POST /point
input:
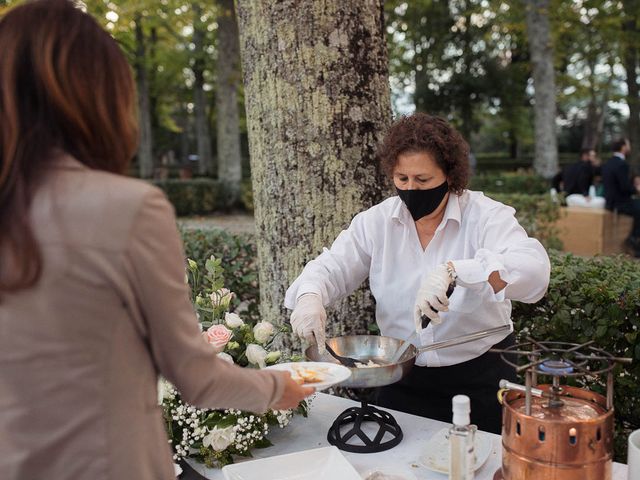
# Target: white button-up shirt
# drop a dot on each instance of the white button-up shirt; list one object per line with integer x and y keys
{"x": 477, "y": 234}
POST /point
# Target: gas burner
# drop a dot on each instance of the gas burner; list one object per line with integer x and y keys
{"x": 560, "y": 359}
{"x": 556, "y": 367}
{"x": 553, "y": 430}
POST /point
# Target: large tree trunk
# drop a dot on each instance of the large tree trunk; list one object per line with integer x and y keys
{"x": 228, "y": 118}
{"x": 203, "y": 137}
{"x": 630, "y": 60}
{"x": 145, "y": 150}
{"x": 317, "y": 100}
{"x": 541, "y": 48}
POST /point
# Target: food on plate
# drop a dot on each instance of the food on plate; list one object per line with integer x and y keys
{"x": 303, "y": 375}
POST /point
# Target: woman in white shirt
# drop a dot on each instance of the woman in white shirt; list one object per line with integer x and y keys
{"x": 413, "y": 247}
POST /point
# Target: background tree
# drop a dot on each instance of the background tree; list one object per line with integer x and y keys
{"x": 317, "y": 101}
{"x": 203, "y": 135}
{"x": 541, "y": 48}
{"x": 228, "y": 81}
{"x": 145, "y": 149}
{"x": 631, "y": 40}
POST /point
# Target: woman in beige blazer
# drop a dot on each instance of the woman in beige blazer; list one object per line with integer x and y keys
{"x": 93, "y": 300}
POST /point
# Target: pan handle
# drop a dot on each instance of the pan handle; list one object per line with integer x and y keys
{"x": 470, "y": 337}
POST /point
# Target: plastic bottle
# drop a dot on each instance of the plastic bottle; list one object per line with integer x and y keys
{"x": 461, "y": 441}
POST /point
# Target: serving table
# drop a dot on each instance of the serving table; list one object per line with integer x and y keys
{"x": 311, "y": 432}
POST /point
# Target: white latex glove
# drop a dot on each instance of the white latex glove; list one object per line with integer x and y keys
{"x": 432, "y": 293}
{"x": 308, "y": 320}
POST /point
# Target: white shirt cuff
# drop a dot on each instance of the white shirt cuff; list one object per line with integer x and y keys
{"x": 306, "y": 288}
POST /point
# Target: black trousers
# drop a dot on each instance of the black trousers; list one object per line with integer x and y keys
{"x": 427, "y": 391}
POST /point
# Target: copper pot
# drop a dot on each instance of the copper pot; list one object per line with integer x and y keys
{"x": 569, "y": 438}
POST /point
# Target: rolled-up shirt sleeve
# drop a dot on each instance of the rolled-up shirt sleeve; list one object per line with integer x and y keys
{"x": 505, "y": 247}
{"x": 337, "y": 271}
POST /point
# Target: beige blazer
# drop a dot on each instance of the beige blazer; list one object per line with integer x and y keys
{"x": 80, "y": 352}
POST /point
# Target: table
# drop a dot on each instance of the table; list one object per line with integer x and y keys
{"x": 306, "y": 433}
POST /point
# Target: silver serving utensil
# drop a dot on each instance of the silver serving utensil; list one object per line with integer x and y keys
{"x": 403, "y": 348}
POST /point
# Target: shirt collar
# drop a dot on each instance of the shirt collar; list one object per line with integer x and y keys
{"x": 619, "y": 155}
{"x": 452, "y": 211}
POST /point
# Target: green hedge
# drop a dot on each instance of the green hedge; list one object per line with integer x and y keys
{"x": 509, "y": 182}
{"x": 594, "y": 299}
{"x": 238, "y": 254}
{"x": 192, "y": 197}
{"x": 536, "y": 213}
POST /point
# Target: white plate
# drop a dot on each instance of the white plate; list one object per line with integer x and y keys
{"x": 436, "y": 453}
{"x": 325, "y": 463}
{"x": 331, "y": 373}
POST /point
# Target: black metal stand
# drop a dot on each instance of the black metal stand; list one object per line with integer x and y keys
{"x": 355, "y": 417}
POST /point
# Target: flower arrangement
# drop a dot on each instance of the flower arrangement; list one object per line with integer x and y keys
{"x": 215, "y": 436}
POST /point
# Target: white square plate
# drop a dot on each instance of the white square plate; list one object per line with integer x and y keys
{"x": 325, "y": 463}
{"x": 436, "y": 453}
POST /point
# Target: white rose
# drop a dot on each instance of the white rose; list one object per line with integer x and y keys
{"x": 233, "y": 320}
{"x": 256, "y": 355}
{"x": 221, "y": 298}
{"x": 262, "y": 332}
{"x": 219, "y": 438}
{"x": 226, "y": 357}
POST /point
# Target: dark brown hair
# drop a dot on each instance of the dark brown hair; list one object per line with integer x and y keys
{"x": 425, "y": 133}
{"x": 619, "y": 143}
{"x": 65, "y": 87}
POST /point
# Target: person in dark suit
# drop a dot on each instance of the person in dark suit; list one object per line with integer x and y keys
{"x": 578, "y": 177}
{"x": 619, "y": 190}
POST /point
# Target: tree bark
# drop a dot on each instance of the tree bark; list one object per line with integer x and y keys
{"x": 541, "y": 48}
{"x": 145, "y": 150}
{"x": 229, "y": 78}
{"x": 317, "y": 100}
{"x": 630, "y": 61}
{"x": 203, "y": 137}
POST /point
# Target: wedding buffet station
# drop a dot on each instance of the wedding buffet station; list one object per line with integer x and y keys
{"x": 422, "y": 454}
{"x": 550, "y": 431}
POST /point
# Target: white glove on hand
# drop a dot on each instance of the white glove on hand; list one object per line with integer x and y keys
{"x": 308, "y": 320}
{"x": 432, "y": 293}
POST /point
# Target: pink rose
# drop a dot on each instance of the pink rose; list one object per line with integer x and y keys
{"x": 217, "y": 336}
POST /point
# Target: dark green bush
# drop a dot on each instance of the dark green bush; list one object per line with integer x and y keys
{"x": 238, "y": 255}
{"x": 509, "y": 182}
{"x": 594, "y": 299}
{"x": 536, "y": 213}
{"x": 193, "y": 196}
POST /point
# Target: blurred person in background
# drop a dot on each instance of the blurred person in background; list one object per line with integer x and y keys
{"x": 620, "y": 189}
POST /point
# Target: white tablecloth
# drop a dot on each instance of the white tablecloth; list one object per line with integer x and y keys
{"x": 306, "y": 433}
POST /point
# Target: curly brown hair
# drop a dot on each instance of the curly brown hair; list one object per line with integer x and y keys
{"x": 420, "y": 132}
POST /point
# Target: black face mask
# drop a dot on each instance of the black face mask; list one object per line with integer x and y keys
{"x": 423, "y": 202}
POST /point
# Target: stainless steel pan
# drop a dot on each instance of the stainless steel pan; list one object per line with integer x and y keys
{"x": 381, "y": 350}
